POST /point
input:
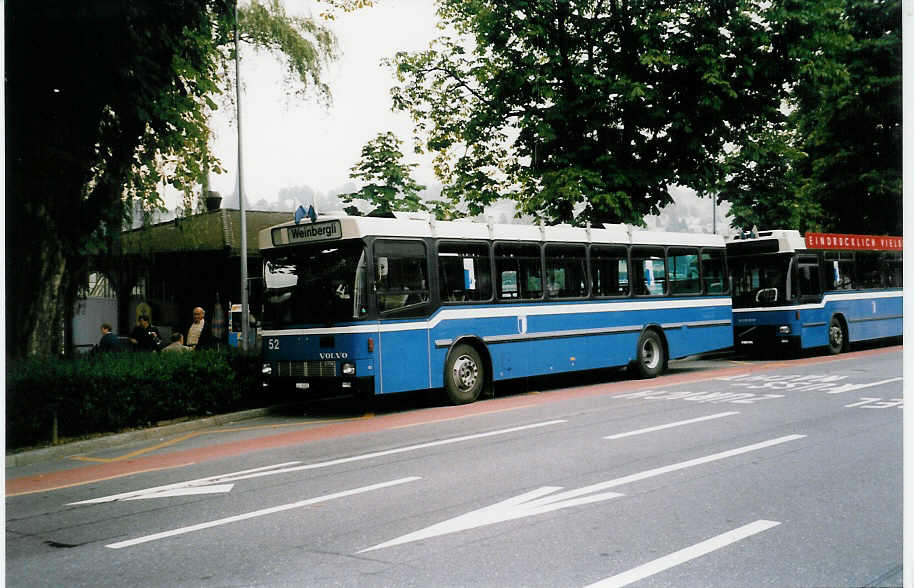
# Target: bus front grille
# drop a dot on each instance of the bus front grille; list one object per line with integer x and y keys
{"x": 302, "y": 369}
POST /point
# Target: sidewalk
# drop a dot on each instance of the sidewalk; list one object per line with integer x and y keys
{"x": 63, "y": 450}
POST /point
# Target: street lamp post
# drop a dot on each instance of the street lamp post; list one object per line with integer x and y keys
{"x": 245, "y": 313}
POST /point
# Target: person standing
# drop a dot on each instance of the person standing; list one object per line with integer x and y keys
{"x": 108, "y": 342}
{"x": 144, "y": 336}
{"x": 199, "y": 334}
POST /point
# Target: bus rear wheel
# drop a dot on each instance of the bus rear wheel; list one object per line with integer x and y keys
{"x": 837, "y": 336}
{"x": 464, "y": 375}
{"x": 650, "y": 360}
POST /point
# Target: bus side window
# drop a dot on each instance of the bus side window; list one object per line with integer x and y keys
{"x": 712, "y": 271}
{"x": 648, "y": 271}
{"x": 683, "y": 270}
{"x": 839, "y": 270}
{"x": 808, "y": 269}
{"x": 401, "y": 274}
{"x": 464, "y": 272}
{"x": 893, "y": 269}
{"x": 518, "y": 271}
{"x": 565, "y": 275}
{"x": 869, "y": 274}
{"x": 609, "y": 270}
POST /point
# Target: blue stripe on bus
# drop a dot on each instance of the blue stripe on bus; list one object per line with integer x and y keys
{"x": 523, "y": 339}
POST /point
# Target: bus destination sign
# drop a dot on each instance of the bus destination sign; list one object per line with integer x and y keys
{"x": 838, "y": 241}
{"x": 308, "y": 233}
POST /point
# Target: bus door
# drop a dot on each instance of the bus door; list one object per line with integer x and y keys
{"x": 403, "y": 303}
{"x": 812, "y": 319}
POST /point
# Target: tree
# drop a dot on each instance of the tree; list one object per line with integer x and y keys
{"x": 387, "y": 182}
{"x": 851, "y": 125}
{"x": 835, "y": 163}
{"x": 589, "y": 110}
{"x": 111, "y": 102}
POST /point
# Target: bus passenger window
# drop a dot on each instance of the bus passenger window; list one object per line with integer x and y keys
{"x": 808, "y": 267}
{"x": 869, "y": 271}
{"x": 839, "y": 270}
{"x": 892, "y": 268}
{"x": 683, "y": 271}
{"x": 401, "y": 278}
{"x": 565, "y": 275}
{"x": 648, "y": 271}
{"x": 609, "y": 270}
{"x": 464, "y": 272}
{"x": 712, "y": 272}
{"x": 518, "y": 271}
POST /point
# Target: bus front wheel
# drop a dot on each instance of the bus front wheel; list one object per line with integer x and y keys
{"x": 837, "y": 336}
{"x": 651, "y": 357}
{"x": 464, "y": 375}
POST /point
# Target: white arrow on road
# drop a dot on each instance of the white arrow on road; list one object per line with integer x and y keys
{"x": 208, "y": 485}
{"x": 531, "y": 503}
{"x": 187, "y": 491}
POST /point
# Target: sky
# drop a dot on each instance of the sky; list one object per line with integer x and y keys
{"x": 292, "y": 143}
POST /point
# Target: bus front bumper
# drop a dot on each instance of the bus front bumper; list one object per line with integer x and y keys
{"x": 760, "y": 338}
{"x": 315, "y": 387}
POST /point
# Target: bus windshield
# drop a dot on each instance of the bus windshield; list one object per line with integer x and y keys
{"x": 315, "y": 284}
{"x": 760, "y": 280}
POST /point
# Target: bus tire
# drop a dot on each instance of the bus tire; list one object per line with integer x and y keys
{"x": 464, "y": 375}
{"x": 837, "y": 336}
{"x": 650, "y": 359}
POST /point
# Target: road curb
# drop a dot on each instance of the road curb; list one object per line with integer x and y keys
{"x": 108, "y": 441}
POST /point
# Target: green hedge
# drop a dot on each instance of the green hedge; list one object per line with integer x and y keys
{"x": 116, "y": 391}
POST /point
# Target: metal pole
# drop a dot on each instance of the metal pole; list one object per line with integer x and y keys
{"x": 245, "y": 327}
{"x": 714, "y": 212}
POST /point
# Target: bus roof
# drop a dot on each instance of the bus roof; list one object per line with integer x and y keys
{"x": 788, "y": 241}
{"x": 777, "y": 241}
{"x": 331, "y": 228}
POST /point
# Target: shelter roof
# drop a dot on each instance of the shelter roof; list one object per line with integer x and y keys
{"x": 211, "y": 231}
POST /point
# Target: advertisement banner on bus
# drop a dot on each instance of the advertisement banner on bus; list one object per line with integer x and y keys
{"x": 856, "y": 242}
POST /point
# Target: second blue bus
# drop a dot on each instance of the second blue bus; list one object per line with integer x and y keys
{"x": 821, "y": 290}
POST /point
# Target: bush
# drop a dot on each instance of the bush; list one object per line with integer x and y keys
{"x": 116, "y": 391}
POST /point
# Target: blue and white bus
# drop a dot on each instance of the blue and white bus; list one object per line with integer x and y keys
{"x": 384, "y": 305}
{"x": 824, "y": 290}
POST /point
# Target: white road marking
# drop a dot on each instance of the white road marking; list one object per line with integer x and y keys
{"x": 189, "y": 491}
{"x": 287, "y": 467}
{"x": 670, "y": 425}
{"x": 684, "y": 555}
{"x": 849, "y": 387}
{"x": 259, "y": 513}
{"x": 531, "y": 503}
{"x": 169, "y": 488}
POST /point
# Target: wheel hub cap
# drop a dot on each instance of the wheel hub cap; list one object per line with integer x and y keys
{"x": 465, "y": 372}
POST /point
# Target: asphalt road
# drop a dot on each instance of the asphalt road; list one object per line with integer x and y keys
{"x": 723, "y": 473}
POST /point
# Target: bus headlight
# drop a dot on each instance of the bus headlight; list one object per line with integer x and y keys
{"x": 267, "y": 369}
{"x": 784, "y": 330}
{"x": 348, "y": 369}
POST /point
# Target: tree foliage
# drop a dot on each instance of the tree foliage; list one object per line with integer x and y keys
{"x": 387, "y": 183}
{"x": 850, "y": 125}
{"x": 112, "y": 102}
{"x": 591, "y": 109}
{"x": 834, "y": 163}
